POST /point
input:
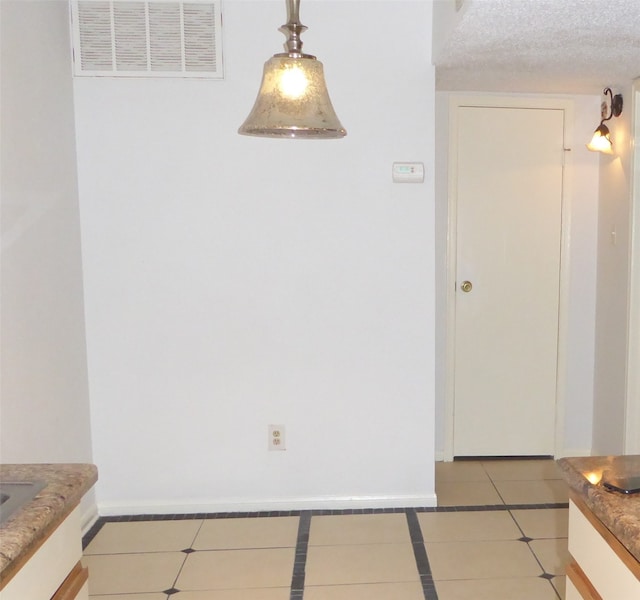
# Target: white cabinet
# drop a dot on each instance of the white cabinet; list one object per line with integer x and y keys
{"x": 602, "y": 568}
{"x": 54, "y": 570}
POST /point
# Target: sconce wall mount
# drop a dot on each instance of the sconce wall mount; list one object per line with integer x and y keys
{"x": 601, "y": 140}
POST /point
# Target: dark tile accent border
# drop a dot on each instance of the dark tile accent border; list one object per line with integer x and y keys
{"x": 488, "y": 507}
{"x": 86, "y": 540}
{"x": 95, "y": 528}
{"x": 420, "y": 552}
{"x": 355, "y": 511}
{"x": 300, "y": 561}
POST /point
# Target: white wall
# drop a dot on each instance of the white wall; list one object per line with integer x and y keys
{"x": 44, "y": 403}
{"x": 233, "y": 282}
{"x": 45, "y": 406}
{"x": 446, "y": 17}
{"x": 582, "y": 190}
{"x": 613, "y": 281}
{"x": 441, "y": 186}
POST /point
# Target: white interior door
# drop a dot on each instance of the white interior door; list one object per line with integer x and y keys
{"x": 509, "y": 172}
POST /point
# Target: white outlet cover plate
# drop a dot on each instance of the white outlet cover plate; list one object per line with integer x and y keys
{"x": 277, "y": 438}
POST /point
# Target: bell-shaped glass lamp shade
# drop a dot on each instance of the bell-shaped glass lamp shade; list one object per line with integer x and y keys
{"x": 601, "y": 140}
{"x": 293, "y": 102}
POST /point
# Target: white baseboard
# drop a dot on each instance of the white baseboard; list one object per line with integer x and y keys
{"x": 170, "y": 507}
{"x": 88, "y": 518}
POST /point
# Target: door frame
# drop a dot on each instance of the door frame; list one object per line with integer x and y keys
{"x": 632, "y": 406}
{"x": 489, "y": 101}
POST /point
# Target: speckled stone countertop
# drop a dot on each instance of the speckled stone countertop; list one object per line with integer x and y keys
{"x": 619, "y": 513}
{"x": 28, "y": 527}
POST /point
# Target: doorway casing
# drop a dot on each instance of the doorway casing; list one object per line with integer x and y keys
{"x": 632, "y": 409}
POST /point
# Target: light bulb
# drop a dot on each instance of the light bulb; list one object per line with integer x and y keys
{"x": 293, "y": 82}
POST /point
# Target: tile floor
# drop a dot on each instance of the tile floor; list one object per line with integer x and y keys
{"x": 499, "y": 533}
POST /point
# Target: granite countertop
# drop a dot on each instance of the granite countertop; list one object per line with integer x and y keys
{"x": 27, "y": 528}
{"x": 619, "y": 513}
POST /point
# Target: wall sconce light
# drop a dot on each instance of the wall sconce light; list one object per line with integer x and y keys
{"x": 293, "y": 101}
{"x": 601, "y": 140}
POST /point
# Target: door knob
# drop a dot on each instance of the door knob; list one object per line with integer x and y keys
{"x": 466, "y": 286}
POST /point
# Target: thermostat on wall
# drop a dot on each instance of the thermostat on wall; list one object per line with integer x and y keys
{"x": 408, "y": 172}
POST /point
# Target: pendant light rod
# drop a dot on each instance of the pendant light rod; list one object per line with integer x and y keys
{"x": 293, "y": 11}
{"x": 293, "y": 28}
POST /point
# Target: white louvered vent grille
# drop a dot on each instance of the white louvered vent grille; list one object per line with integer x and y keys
{"x": 160, "y": 38}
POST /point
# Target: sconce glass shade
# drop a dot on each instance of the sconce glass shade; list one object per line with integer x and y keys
{"x": 293, "y": 101}
{"x": 601, "y": 140}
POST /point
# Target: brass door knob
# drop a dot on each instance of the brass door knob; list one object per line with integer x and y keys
{"x": 466, "y": 286}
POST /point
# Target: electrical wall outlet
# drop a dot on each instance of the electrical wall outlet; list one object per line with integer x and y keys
{"x": 277, "y": 440}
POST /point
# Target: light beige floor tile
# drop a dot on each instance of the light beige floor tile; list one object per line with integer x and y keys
{"x": 552, "y": 554}
{"x": 133, "y": 573}
{"x": 522, "y": 470}
{"x": 144, "y": 536}
{"x": 373, "y": 591}
{"x": 543, "y": 523}
{"x": 533, "y": 492}
{"x": 259, "y": 532}
{"x": 481, "y": 560}
{"x": 468, "y": 526}
{"x": 467, "y": 494}
{"x": 243, "y": 594}
{"x": 560, "y": 583}
{"x": 460, "y": 471}
{"x": 524, "y": 588}
{"x": 332, "y": 530}
{"x": 369, "y": 563}
{"x": 233, "y": 569}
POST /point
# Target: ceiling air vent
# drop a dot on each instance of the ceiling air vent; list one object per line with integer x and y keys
{"x": 161, "y": 38}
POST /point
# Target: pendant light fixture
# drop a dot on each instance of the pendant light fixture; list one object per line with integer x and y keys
{"x": 601, "y": 140}
{"x": 293, "y": 101}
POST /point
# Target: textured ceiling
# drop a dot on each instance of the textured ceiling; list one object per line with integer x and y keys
{"x": 546, "y": 46}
